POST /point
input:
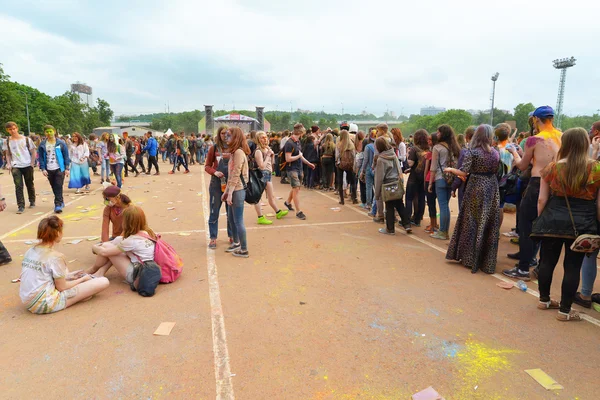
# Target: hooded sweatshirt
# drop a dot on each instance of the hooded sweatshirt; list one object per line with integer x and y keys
{"x": 386, "y": 171}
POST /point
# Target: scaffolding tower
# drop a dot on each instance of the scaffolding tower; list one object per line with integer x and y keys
{"x": 561, "y": 65}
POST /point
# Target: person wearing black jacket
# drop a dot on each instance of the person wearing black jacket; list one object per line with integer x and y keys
{"x": 129, "y": 149}
{"x": 311, "y": 153}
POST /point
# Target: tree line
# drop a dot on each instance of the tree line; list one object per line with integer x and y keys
{"x": 66, "y": 112}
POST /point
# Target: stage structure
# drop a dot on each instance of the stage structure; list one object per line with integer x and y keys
{"x": 209, "y": 123}
{"x": 82, "y": 88}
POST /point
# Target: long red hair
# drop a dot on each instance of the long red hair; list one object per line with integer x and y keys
{"x": 238, "y": 141}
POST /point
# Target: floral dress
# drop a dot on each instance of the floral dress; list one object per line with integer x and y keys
{"x": 477, "y": 231}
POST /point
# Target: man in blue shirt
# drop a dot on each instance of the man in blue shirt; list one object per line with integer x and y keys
{"x": 152, "y": 149}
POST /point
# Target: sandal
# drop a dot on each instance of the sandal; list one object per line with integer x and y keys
{"x": 571, "y": 316}
{"x": 548, "y": 305}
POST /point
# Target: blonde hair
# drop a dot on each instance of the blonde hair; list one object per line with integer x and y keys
{"x": 345, "y": 143}
{"x": 574, "y": 149}
{"x": 259, "y": 135}
{"x": 104, "y": 137}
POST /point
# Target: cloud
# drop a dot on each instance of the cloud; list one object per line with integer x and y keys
{"x": 315, "y": 54}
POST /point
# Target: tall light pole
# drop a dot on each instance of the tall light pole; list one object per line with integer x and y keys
{"x": 27, "y": 111}
{"x": 494, "y": 79}
{"x": 562, "y": 65}
{"x": 342, "y": 110}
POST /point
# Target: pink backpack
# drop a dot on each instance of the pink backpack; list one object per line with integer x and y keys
{"x": 171, "y": 265}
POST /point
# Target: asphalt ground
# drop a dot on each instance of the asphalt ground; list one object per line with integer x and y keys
{"x": 325, "y": 308}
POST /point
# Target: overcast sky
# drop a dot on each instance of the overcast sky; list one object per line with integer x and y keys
{"x": 139, "y": 55}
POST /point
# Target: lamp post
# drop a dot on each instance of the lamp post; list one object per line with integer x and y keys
{"x": 494, "y": 79}
{"x": 27, "y": 111}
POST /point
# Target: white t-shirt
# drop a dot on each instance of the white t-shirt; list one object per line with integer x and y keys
{"x": 41, "y": 265}
{"x": 51, "y": 162}
{"x": 20, "y": 154}
{"x": 137, "y": 245}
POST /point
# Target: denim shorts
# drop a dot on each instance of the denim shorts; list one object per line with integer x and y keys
{"x": 266, "y": 176}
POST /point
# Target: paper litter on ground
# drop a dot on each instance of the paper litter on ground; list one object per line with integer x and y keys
{"x": 76, "y": 241}
{"x": 505, "y": 285}
{"x": 164, "y": 329}
{"x": 175, "y": 219}
{"x": 94, "y": 218}
{"x": 155, "y": 197}
{"x": 84, "y": 210}
{"x": 38, "y": 213}
{"x": 93, "y": 238}
{"x": 427, "y": 394}
{"x": 270, "y": 215}
{"x": 544, "y": 379}
{"x": 16, "y": 280}
{"x": 184, "y": 234}
{"x": 75, "y": 219}
{"x": 30, "y": 242}
{"x": 171, "y": 208}
{"x": 72, "y": 261}
{"x": 336, "y": 209}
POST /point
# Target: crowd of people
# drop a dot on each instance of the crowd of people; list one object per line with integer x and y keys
{"x": 552, "y": 178}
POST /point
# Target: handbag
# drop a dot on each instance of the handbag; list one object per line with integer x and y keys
{"x": 583, "y": 243}
{"x": 447, "y": 176}
{"x": 393, "y": 190}
{"x": 255, "y": 186}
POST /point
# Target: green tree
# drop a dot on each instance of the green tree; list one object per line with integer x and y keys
{"x": 306, "y": 120}
{"x": 459, "y": 120}
{"x": 522, "y": 111}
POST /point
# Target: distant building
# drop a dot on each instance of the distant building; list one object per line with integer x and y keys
{"x": 432, "y": 110}
{"x": 473, "y": 112}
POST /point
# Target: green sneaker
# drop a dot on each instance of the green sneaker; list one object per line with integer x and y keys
{"x": 282, "y": 213}
{"x": 263, "y": 221}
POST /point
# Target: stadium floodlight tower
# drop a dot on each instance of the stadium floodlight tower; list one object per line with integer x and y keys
{"x": 562, "y": 65}
{"x": 494, "y": 79}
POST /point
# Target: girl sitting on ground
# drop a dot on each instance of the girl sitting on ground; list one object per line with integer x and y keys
{"x": 115, "y": 203}
{"x": 128, "y": 251}
{"x": 46, "y": 284}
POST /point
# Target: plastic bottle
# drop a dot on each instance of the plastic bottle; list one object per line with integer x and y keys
{"x": 223, "y": 184}
{"x": 522, "y": 285}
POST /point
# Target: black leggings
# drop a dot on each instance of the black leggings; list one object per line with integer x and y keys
{"x": 549, "y": 255}
{"x": 431, "y": 198}
{"x": 390, "y": 214}
{"x": 327, "y": 164}
{"x": 350, "y": 179}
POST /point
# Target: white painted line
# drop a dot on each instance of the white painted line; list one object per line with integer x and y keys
{"x": 41, "y": 217}
{"x": 221, "y": 353}
{"x": 532, "y": 292}
{"x": 250, "y": 228}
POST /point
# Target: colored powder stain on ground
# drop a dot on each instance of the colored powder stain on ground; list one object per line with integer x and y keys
{"x": 21, "y": 232}
{"x": 365, "y": 393}
{"x": 477, "y": 363}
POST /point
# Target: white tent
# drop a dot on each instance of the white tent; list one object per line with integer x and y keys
{"x": 169, "y": 132}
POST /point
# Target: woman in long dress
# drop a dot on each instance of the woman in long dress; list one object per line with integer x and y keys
{"x": 80, "y": 168}
{"x": 477, "y": 230}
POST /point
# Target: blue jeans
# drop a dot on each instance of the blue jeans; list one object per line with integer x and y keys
{"x": 236, "y": 216}
{"x": 370, "y": 181}
{"x": 105, "y": 171}
{"x": 443, "y": 192}
{"x": 117, "y": 169}
{"x": 215, "y": 209}
{"x": 588, "y": 273}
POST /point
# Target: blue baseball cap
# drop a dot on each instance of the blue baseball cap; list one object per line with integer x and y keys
{"x": 543, "y": 112}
